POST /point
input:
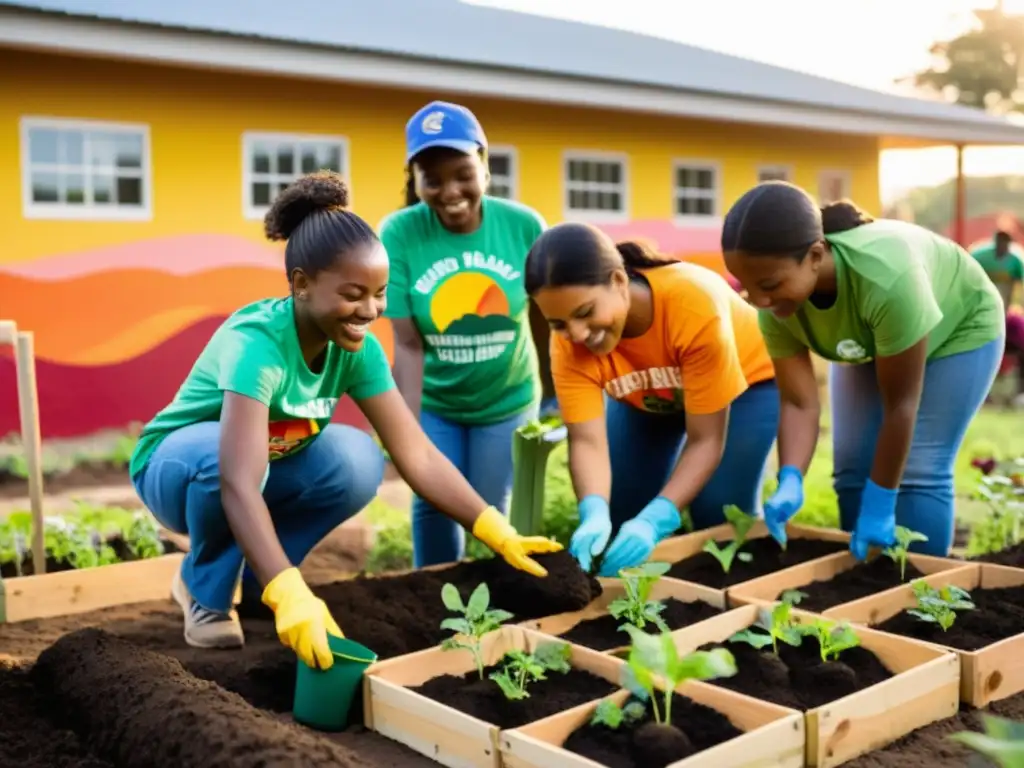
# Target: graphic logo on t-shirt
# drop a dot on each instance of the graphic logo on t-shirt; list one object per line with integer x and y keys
{"x": 287, "y": 436}
{"x": 662, "y": 387}
{"x": 469, "y": 309}
{"x": 848, "y": 349}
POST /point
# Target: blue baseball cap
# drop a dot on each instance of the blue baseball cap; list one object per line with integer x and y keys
{"x": 443, "y": 124}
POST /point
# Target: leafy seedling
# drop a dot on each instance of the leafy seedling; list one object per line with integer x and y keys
{"x": 1002, "y": 743}
{"x": 939, "y": 606}
{"x": 636, "y": 608}
{"x": 832, "y": 638}
{"x": 520, "y": 668}
{"x": 655, "y": 657}
{"x": 611, "y": 715}
{"x": 775, "y": 626}
{"x": 476, "y": 621}
{"x": 741, "y": 524}
{"x": 898, "y": 552}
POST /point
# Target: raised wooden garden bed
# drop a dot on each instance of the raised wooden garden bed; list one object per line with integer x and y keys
{"x": 875, "y": 694}
{"x": 434, "y": 701}
{"x": 728, "y": 729}
{"x": 691, "y": 563}
{"x": 837, "y": 579}
{"x": 988, "y": 640}
{"x": 594, "y": 627}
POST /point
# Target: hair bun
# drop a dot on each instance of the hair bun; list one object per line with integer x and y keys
{"x": 319, "y": 191}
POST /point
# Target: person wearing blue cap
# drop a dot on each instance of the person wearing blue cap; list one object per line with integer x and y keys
{"x": 465, "y": 359}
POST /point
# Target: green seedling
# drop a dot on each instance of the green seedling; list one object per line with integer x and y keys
{"x": 832, "y": 638}
{"x": 1002, "y": 743}
{"x": 741, "y": 524}
{"x": 520, "y": 668}
{"x": 611, "y": 715}
{"x": 476, "y": 621}
{"x": 655, "y": 657}
{"x": 775, "y": 626}
{"x": 898, "y": 552}
{"x": 636, "y": 608}
{"x": 939, "y": 606}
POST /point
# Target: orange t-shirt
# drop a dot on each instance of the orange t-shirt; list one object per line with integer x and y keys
{"x": 703, "y": 350}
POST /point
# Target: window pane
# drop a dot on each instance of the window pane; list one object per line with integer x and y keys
{"x": 43, "y": 145}
{"x": 574, "y": 170}
{"x": 74, "y": 188}
{"x": 129, "y": 190}
{"x": 45, "y": 187}
{"x": 261, "y": 193}
{"x": 499, "y": 189}
{"x": 72, "y": 147}
{"x": 329, "y": 157}
{"x": 499, "y": 165}
{"x": 102, "y": 149}
{"x": 705, "y": 206}
{"x": 616, "y": 173}
{"x": 285, "y": 160}
{"x": 129, "y": 150}
{"x": 575, "y": 199}
{"x": 310, "y": 161}
{"x": 103, "y": 189}
{"x": 261, "y": 158}
{"x": 616, "y": 202}
{"x": 705, "y": 179}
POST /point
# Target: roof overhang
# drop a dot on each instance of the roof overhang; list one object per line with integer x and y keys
{"x": 69, "y": 35}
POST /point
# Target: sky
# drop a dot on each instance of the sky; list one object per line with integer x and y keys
{"x": 838, "y": 39}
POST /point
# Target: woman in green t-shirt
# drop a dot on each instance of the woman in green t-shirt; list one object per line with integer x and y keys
{"x": 465, "y": 359}
{"x": 245, "y": 460}
{"x": 917, "y": 329}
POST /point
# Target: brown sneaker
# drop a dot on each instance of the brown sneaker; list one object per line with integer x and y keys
{"x": 205, "y": 628}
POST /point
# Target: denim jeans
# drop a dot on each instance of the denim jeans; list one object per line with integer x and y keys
{"x": 308, "y": 494}
{"x": 954, "y": 389}
{"x": 645, "y": 449}
{"x": 483, "y": 454}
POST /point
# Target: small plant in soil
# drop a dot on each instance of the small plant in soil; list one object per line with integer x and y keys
{"x": 1002, "y": 743}
{"x": 741, "y": 524}
{"x": 899, "y": 551}
{"x": 832, "y": 638}
{"x": 1000, "y": 529}
{"x": 477, "y": 620}
{"x": 774, "y": 626}
{"x": 520, "y": 668}
{"x": 939, "y": 606}
{"x": 636, "y": 608}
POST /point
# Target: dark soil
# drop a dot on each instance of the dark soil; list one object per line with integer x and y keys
{"x": 860, "y": 581}
{"x": 797, "y": 677}
{"x": 1013, "y": 557}
{"x": 930, "y": 747}
{"x": 91, "y": 473}
{"x": 704, "y": 569}
{"x": 603, "y": 633}
{"x": 639, "y": 745}
{"x": 483, "y": 699}
{"x": 999, "y": 614}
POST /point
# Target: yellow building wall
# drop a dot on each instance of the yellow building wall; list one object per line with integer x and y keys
{"x": 107, "y": 300}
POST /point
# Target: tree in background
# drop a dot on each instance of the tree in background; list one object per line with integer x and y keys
{"x": 981, "y": 68}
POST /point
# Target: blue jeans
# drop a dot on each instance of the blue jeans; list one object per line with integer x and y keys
{"x": 645, "y": 449}
{"x": 954, "y": 389}
{"x": 483, "y": 454}
{"x": 308, "y": 494}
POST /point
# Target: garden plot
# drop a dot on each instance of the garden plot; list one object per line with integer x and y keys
{"x": 976, "y": 611}
{"x": 742, "y": 549}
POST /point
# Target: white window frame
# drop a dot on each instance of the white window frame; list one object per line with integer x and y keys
{"x": 249, "y": 138}
{"x": 513, "y": 165}
{"x": 596, "y": 156}
{"x": 775, "y": 169}
{"x": 87, "y": 212}
{"x": 713, "y": 219}
{"x": 832, "y": 173}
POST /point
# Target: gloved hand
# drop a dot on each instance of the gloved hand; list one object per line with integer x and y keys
{"x": 638, "y": 537}
{"x": 495, "y": 531}
{"x": 785, "y": 502}
{"x": 876, "y": 520}
{"x": 592, "y": 534}
{"x": 301, "y": 618}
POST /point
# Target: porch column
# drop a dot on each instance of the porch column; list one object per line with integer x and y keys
{"x": 960, "y": 198}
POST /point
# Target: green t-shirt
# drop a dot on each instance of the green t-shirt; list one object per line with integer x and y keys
{"x": 1003, "y": 270}
{"x": 465, "y": 293}
{"x": 897, "y": 283}
{"x": 256, "y": 353}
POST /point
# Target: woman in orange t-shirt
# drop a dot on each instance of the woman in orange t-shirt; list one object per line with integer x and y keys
{"x": 664, "y": 383}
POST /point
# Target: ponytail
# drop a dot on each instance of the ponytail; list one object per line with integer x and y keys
{"x": 841, "y": 216}
{"x": 637, "y": 256}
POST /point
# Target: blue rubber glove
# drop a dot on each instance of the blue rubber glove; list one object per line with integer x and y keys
{"x": 548, "y": 407}
{"x": 785, "y": 502}
{"x": 876, "y": 520}
{"x": 595, "y": 528}
{"x": 638, "y": 537}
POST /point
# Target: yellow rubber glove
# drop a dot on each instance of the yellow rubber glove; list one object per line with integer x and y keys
{"x": 494, "y": 530}
{"x": 301, "y": 618}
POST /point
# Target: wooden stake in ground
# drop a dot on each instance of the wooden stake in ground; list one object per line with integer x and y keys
{"x": 31, "y": 437}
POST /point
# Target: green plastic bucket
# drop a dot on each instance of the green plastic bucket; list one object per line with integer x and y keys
{"x": 324, "y": 697}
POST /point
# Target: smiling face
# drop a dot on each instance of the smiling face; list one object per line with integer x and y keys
{"x": 342, "y": 300}
{"x": 777, "y": 283}
{"x": 452, "y": 184}
{"x": 591, "y": 315}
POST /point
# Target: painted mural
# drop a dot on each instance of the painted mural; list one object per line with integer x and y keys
{"x": 117, "y": 329}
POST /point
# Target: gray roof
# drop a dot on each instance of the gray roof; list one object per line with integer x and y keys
{"x": 453, "y": 31}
